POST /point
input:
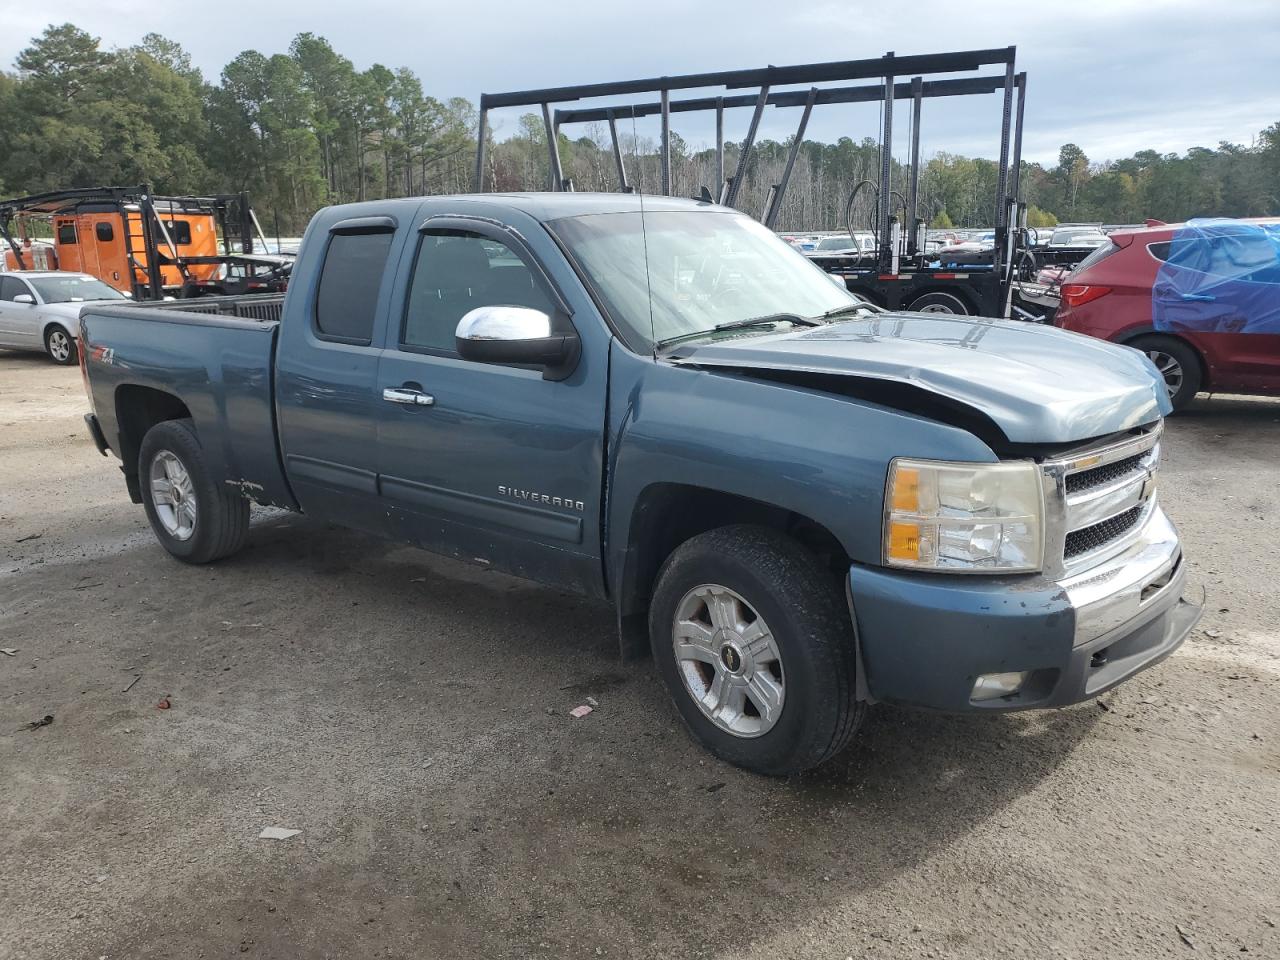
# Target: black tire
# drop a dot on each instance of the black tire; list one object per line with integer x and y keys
{"x": 1184, "y": 378}
{"x": 61, "y": 346}
{"x": 803, "y": 604}
{"x": 221, "y": 515}
{"x": 939, "y": 302}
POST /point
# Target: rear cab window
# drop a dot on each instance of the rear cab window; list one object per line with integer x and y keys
{"x": 350, "y": 278}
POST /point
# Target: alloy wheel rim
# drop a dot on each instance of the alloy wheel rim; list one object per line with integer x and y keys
{"x": 728, "y": 660}
{"x": 937, "y": 308}
{"x": 1169, "y": 368}
{"x": 59, "y": 345}
{"x": 173, "y": 495}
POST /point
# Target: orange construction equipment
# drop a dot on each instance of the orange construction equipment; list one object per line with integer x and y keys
{"x": 143, "y": 245}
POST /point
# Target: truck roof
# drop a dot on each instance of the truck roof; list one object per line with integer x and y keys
{"x": 554, "y": 206}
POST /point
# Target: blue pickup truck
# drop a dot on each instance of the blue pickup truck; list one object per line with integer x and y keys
{"x": 799, "y": 502}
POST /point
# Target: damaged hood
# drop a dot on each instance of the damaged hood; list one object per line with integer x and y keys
{"x": 1037, "y": 383}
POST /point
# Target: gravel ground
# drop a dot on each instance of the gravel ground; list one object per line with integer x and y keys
{"x": 410, "y": 717}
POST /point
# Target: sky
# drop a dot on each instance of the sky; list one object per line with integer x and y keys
{"x": 1113, "y": 76}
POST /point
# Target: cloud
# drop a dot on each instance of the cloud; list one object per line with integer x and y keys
{"x": 1114, "y": 76}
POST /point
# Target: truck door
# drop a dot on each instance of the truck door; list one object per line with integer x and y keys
{"x": 326, "y": 372}
{"x": 488, "y": 463}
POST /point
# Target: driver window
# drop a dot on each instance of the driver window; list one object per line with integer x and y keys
{"x": 456, "y": 271}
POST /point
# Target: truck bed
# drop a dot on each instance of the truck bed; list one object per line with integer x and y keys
{"x": 215, "y": 357}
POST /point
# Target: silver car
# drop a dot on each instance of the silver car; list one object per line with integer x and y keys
{"x": 40, "y": 310}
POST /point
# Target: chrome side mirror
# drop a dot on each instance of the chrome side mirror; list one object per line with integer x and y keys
{"x": 25, "y": 298}
{"x": 517, "y": 335}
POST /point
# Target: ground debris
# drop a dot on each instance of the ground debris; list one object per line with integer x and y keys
{"x": 37, "y": 724}
{"x": 277, "y": 833}
{"x": 136, "y": 678}
{"x": 10, "y": 651}
{"x": 580, "y": 712}
{"x": 30, "y": 536}
{"x": 1185, "y": 937}
{"x": 164, "y": 703}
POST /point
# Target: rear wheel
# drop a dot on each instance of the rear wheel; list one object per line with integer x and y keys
{"x": 1177, "y": 363}
{"x": 194, "y": 518}
{"x": 939, "y": 302}
{"x": 60, "y": 346}
{"x": 753, "y": 639}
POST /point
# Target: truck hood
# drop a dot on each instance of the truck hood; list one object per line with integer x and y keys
{"x": 1037, "y": 384}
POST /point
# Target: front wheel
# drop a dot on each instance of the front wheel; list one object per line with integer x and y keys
{"x": 754, "y": 642}
{"x": 193, "y": 517}
{"x": 61, "y": 347}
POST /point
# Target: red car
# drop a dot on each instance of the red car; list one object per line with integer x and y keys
{"x": 1202, "y": 299}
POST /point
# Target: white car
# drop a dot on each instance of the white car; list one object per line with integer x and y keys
{"x": 40, "y": 310}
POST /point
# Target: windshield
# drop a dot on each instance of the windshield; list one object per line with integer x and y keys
{"x": 836, "y": 243}
{"x": 706, "y": 269}
{"x": 73, "y": 288}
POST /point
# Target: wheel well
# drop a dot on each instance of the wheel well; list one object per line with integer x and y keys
{"x": 1151, "y": 332}
{"x": 44, "y": 334}
{"x": 668, "y": 514}
{"x": 138, "y": 409}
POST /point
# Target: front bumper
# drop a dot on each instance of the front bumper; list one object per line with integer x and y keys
{"x": 924, "y": 639}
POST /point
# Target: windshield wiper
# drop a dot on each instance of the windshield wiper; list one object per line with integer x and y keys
{"x": 852, "y": 308}
{"x": 770, "y": 320}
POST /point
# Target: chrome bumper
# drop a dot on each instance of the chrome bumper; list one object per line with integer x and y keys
{"x": 1139, "y": 583}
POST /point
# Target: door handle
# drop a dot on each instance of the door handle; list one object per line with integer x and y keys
{"x": 414, "y": 398}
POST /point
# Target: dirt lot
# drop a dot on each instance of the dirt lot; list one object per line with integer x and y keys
{"x": 409, "y": 716}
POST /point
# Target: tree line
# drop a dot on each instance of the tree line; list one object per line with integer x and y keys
{"x": 306, "y": 128}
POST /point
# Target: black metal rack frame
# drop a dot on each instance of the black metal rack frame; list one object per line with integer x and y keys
{"x": 886, "y": 69}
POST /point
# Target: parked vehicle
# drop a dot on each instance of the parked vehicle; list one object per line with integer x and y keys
{"x": 862, "y": 243}
{"x": 1077, "y": 236}
{"x": 40, "y": 310}
{"x": 1202, "y": 300}
{"x": 801, "y": 503}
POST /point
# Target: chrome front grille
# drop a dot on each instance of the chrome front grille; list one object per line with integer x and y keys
{"x": 1097, "y": 476}
{"x": 1088, "y": 539}
{"x": 1098, "y": 499}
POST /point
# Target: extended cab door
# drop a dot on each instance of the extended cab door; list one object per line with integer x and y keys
{"x": 327, "y": 399}
{"x": 494, "y": 463}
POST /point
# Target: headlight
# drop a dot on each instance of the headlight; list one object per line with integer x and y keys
{"x": 964, "y": 517}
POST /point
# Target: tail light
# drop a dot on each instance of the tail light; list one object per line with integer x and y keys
{"x": 1078, "y": 294}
